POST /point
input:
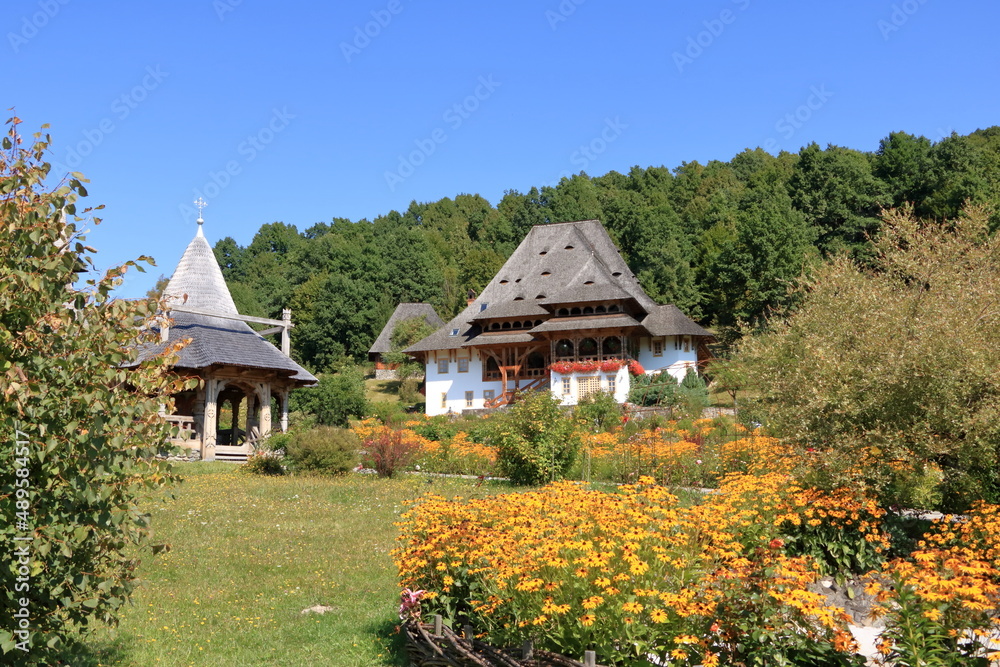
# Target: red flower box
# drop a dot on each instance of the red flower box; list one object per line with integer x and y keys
{"x": 635, "y": 368}
{"x": 611, "y": 365}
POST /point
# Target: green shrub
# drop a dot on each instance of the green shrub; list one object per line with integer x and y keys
{"x": 324, "y": 449}
{"x": 276, "y": 442}
{"x": 263, "y": 463}
{"x": 409, "y": 393}
{"x": 440, "y": 428}
{"x": 388, "y": 412}
{"x": 693, "y": 393}
{"x": 599, "y": 411}
{"x": 338, "y": 397}
{"x": 535, "y": 441}
{"x": 658, "y": 389}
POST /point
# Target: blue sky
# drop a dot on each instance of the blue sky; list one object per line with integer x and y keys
{"x": 301, "y": 112}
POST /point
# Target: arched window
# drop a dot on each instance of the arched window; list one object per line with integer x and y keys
{"x": 600, "y": 309}
{"x": 574, "y": 311}
{"x": 611, "y": 346}
{"x": 588, "y": 347}
{"x": 562, "y": 312}
{"x": 613, "y": 308}
{"x": 564, "y": 348}
{"x": 505, "y": 325}
{"x": 536, "y": 360}
{"x": 516, "y": 325}
{"x": 587, "y": 310}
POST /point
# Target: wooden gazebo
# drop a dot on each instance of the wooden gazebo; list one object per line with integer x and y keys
{"x": 242, "y": 374}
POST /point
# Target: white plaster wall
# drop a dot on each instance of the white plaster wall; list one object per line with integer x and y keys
{"x": 621, "y": 385}
{"x": 675, "y": 362}
{"x": 456, "y": 384}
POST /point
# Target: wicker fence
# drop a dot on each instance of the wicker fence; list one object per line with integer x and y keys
{"x": 437, "y": 645}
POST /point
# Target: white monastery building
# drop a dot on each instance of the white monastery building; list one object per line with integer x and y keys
{"x": 564, "y": 313}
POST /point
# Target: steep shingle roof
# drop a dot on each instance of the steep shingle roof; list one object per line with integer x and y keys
{"x": 595, "y": 322}
{"x": 565, "y": 263}
{"x": 197, "y": 283}
{"x": 670, "y": 321}
{"x": 228, "y": 342}
{"x": 404, "y": 311}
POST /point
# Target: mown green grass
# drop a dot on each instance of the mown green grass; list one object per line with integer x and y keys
{"x": 248, "y": 554}
{"x": 381, "y": 391}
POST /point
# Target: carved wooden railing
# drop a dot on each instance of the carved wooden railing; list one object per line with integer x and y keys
{"x": 185, "y": 429}
{"x": 509, "y": 396}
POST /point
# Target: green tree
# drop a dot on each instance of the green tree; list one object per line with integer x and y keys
{"x": 156, "y": 291}
{"x": 338, "y": 397}
{"x": 839, "y": 196}
{"x": 756, "y": 268}
{"x": 78, "y": 431}
{"x": 893, "y": 368}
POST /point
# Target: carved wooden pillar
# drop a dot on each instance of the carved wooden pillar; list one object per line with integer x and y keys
{"x": 198, "y": 414}
{"x": 264, "y": 394}
{"x": 211, "y": 420}
{"x": 283, "y": 397}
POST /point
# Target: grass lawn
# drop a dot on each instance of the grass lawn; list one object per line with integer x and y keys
{"x": 249, "y": 553}
{"x": 380, "y": 391}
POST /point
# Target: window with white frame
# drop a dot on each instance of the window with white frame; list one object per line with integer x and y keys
{"x": 469, "y": 396}
{"x": 488, "y": 394}
{"x": 687, "y": 343}
{"x": 657, "y": 348}
{"x": 677, "y": 342}
{"x": 463, "y": 365}
{"x": 442, "y": 366}
{"x": 586, "y": 386}
{"x": 567, "y": 387}
{"x": 612, "y": 383}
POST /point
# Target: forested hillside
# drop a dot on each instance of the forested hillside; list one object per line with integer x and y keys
{"x": 723, "y": 241}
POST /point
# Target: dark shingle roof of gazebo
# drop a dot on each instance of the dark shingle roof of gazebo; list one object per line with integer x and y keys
{"x": 197, "y": 283}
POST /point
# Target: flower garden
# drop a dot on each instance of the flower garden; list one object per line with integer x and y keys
{"x": 639, "y": 569}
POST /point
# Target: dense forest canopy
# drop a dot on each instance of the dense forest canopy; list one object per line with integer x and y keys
{"x": 723, "y": 241}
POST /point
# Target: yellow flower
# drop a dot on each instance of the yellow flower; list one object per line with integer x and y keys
{"x": 587, "y": 619}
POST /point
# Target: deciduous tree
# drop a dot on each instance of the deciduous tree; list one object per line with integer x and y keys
{"x": 78, "y": 430}
{"x": 894, "y": 367}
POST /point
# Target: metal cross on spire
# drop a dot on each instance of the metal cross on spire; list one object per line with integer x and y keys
{"x": 200, "y": 204}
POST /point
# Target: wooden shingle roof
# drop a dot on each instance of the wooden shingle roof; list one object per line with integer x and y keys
{"x": 557, "y": 264}
{"x": 197, "y": 283}
{"x": 404, "y": 311}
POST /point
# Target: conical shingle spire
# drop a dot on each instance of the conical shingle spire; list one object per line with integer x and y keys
{"x": 197, "y": 281}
